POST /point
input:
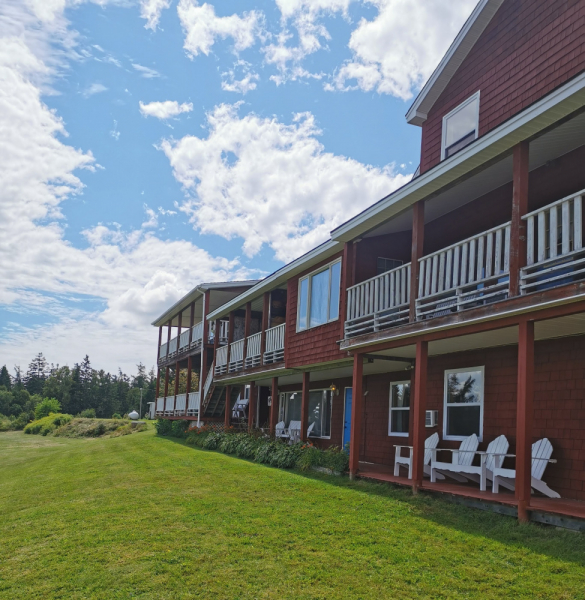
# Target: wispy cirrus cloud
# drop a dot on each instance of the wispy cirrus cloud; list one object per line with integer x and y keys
{"x": 146, "y": 72}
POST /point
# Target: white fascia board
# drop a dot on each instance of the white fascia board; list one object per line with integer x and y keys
{"x": 460, "y": 48}
{"x": 493, "y": 145}
{"x": 299, "y": 265}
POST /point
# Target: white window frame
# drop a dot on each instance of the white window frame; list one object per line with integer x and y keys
{"x": 391, "y": 408}
{"x": 283, "y": 410}
{"x": 481, "y": 402}
{"x": 309, "y": 277}
{"x": 469, "y": 100}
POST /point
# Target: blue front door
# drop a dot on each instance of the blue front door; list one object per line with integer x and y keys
{"x": 347, "y": 419}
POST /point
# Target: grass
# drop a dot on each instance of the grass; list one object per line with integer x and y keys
{"x": 146, "y": 517}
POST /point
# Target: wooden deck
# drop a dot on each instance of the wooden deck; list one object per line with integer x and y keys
{"x": 573, "y": 509}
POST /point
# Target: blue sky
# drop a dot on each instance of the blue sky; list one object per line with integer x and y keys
{"x": 155, "y": 144}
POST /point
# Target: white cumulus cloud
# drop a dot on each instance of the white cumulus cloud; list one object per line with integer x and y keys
{"x": 164, "y": 110}
{"x": 397, "y": 51}
{"x": 203, "y": 27}
{"x": 271, "y": 183}
{"x": 151, "y": 11}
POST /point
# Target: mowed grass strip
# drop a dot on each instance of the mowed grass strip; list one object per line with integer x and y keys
{"x": 147, "y": 517}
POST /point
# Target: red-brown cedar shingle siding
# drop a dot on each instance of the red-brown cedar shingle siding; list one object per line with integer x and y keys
{"x": 559, "y": 406}
{"x": 529, "y": 48}
{"x": 316, "y": 345}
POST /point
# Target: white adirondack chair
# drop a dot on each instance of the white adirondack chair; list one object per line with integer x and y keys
{"x": 280, "y": 430}
{"x": 491, "y": 457}
{"x": 406, "y": 461}
{"x": 462, "y": 458}
{"x": 541, "y": 453}
{"x": 294, "y": 430}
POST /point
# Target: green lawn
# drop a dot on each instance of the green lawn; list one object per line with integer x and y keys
{"x": 146, "y": 517}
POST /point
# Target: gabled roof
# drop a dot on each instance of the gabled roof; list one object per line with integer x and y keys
{"x": 460, "y": 48}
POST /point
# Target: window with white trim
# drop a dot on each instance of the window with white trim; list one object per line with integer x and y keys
{"x": 320, "y": 407}
{"x": 460, "y": 127}
{"x": 319, "y": 294}
{"x": 463, "y": 403}
{"x": 399, "y": 418}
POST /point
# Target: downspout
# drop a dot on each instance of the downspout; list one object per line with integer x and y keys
{"x": 201, "y": 365}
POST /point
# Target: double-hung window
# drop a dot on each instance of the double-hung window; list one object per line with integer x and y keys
{"x": 460, "y": 127}
{"x": 463, "y": 403}
{"x": 319, "y": 297}
{"x": 399, "y": 408}
{"x": 320, "y": 406}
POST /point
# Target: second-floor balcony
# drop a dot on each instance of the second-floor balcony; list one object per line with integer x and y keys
{"x": 474, "y": 272}
{"x": 192, "y": 339}
{"x": 246, "y": 353}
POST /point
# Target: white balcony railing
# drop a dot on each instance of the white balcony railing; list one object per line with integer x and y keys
{"x": 160, "y": 406}
{"x": 162, "y": 352}
{"x": 169, "y": 406}
{"x": 471, "y": 273}
{"x": 193, "y": 405}
{"x": 378, "y": 303}
{"x": 184, "y": 340}
{"x": 173, "y": 346}
{"x": 221, "y": 360}
{"x": 555, "y": 254}
{"x": 253, "y": 351}
{"x": 180, "y": 404}
{"x": 197, "y": 336}
{"x": 274, "y": 344}
{"x": 236, "y": 356}
{"x": 208, "y": 382}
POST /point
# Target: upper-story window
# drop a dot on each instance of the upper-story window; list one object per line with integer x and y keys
{"x": 319, "y": 297}
{"x": 460, "y": 127}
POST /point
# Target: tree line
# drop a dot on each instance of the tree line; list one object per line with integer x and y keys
{"x": 77, "y": 389}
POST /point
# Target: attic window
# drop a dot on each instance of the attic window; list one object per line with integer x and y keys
{"x": 460, "y": 127}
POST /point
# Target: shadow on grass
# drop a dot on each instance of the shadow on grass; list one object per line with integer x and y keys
{"x": 542, "y": 539}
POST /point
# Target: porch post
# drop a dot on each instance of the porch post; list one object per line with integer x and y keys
{"x": 418, "y": 413}
{"x": 169, "y": 334}
{"x": 524, "y": 417}
{"x": 519, "y": 209}
{"x": 159, "y": 344}
{"x": 167, "y": 370}
{"x": 157, "y": 384}
{"x": 228, "y": 408}
{"x": 357, "y": 409}
{"x": 305, "y": 405}
{"x": 274, "y": 406}
{"x": 265, "y": 316}
{"x": 191, "y": 323}
{"x": 179, "y": 331}
{"x": 216, "y": 337}
{"x": 247, "y": 324}
{"x": 189, "y": 375}
{"x": 177, "y": 375}
{"x": 252, "y": 406}
{"x": 418, "y": 236}
{"x": 346, "y": 282}
{"x": 203, "y": 361}
{"x": 230, "y": 339}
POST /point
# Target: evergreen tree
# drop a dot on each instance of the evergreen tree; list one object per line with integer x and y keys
{"x": 38, "y": 371}
{"x": 5, "y": 379}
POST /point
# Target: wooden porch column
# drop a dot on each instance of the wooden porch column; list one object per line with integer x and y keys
{"x": 252, "y": 406}
{"x": 231, "y": 322}
{"x": 228, "y": 408}
{"x": 179, "y": 331}
{"x": 247, "y": 326}
{"x": 157, "y": 384}
{"x": 167, "y": 372}
{"x": 177, "y": 374}
{"x": 169, "y": 334}
{"x": 191, "y": 323}
{"x": 357, "y": 410}
{"x": 305, "y": 405}
{"x": 274, "y": 406}
{"x": 189, "y": 375}
{"x": 419, "y": 405}
{"x": 265, "y": 324}
{"x": 205, "y": 340}
{"x": 159, "y": 344}
{"x": 524, "y": 417}
{"x": 519, "y": 209}
{"x": 216, "y": 337}
{"x": 347, "y": 274}
{"x": 418, "y": 238}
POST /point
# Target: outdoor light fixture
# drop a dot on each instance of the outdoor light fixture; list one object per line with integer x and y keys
{"x": 333, "y": 389}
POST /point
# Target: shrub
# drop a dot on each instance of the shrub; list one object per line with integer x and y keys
{"x": 47, "y": 424}
{"x": 336, "y": 459}
{"x": 179, "y": 428}
{"x": 88, "y": 413}
{"x": 116, "y": 416}
{"x": 47, "y": 406}
{"x": 310, "y": 457}
{"x": 163, "y": 427}
{"x": 5, "y": 423}
{"x": 80, "y": 428}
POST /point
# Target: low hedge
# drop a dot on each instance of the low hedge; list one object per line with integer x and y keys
{"x": 47, "y": 424}
{"x": 276, "y": 453}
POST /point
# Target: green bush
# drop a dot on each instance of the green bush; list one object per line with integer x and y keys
{"x": 309, "y": 458}
{"x": 163, "y": 427}
{"x": 88, "y": 413}
{"x": 6, "y": 423}
{"x": 116, "y": 416}
{"x": 179, "y": 428}
{"x": 47, "y": 406}
{"x": 47, "y": 424}
{"x": 336, "y": 459}
{"x": 82, "y": 428}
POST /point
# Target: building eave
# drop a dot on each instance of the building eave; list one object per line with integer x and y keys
{"x": 458, "y": 51}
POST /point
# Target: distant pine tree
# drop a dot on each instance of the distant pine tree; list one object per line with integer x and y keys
{"x": 38, "y": 371}
{"x": 5, "y": 378}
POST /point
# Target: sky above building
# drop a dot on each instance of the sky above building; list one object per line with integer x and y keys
{"x": 151, "y": 145}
